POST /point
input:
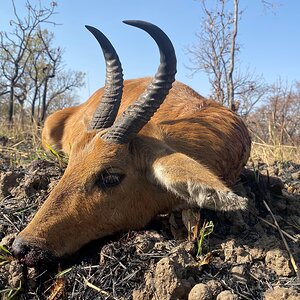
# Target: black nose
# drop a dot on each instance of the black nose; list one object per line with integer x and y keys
{"x": 30, "y": 254}
{"x": 20, "y": 248}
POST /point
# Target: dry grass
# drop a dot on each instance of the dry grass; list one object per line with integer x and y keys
{"x": 24, "y": 145}
{"x": 20, "y": 145}
{"x": 271, "y": 153}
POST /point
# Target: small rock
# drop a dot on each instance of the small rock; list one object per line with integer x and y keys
{"x": 257, "y": 252}
{"x": 242, "y": 256}
{"x": 215, "y": 287}
{"x": 200, "y": 292}
{"x": 238, "y": 273}
{"x": 234, "y": 253}
{"x": 229, "y": 247}
{"x": 227, "y": 295}
{"x": 278, "y": 261}
{"x": 280, "y": 293}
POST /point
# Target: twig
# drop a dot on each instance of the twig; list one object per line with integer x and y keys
{"x": 227, "y": 286}
{"x": 284, "y": 232}
{"x": 98, "y": 289}
{"x": 272, "y": 146}
{"x": 234, "y": 291}
{"x": 293, "y": 262}
{"x": 7, "y": 218}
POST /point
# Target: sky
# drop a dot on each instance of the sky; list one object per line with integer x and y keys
{"x": 270, "y": 40}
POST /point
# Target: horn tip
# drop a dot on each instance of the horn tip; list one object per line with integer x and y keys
{"x": 134, "y": 22}
{"x": 89, "y": 28}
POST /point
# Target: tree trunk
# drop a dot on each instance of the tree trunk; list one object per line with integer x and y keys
{"x": 33, "y": 105}
{"x": 22, "y": 112}
{"x": 44, "y": 100}
{"x": 232, "y": 55}
{"x": 11, "y": 106}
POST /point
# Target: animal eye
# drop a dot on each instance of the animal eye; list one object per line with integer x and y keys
{"x": 107, "y": 179}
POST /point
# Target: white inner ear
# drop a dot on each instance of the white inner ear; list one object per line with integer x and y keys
{"x": 195, "y": 192}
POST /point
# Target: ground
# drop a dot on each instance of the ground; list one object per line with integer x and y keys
{"x": 184, "y": 255}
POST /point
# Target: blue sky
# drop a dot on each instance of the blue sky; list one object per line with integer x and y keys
{"x": 270, "y": 42}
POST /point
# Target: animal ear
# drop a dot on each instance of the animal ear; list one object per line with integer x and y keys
{"x": 195, "y": 183}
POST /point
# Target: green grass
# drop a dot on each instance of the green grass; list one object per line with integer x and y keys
{"x": 205, "y": 231}
{"x": 5, "y": 256}
{"x": 11, "y": 293}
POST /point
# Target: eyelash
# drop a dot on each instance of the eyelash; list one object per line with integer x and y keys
{"x": 107, "y": 180}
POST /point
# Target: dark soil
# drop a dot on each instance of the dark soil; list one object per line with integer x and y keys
{"x": 243, "y": 258}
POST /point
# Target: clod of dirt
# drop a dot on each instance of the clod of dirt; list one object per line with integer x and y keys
{"x": 9, "y": 180}
{"x": 144, "y": 243}
{"x": 215, "y": 287}
{"x": 172, "y": 278}
{"x": 200, "y": 292}
{"x": 280, "y": 293}
{"x": 278, "y": 261}
{"x": 169, "y": 281}
{"x": 234, "y": 253}
{"x": 34, "y": 183}
{"x": 227, "y": 295}
{"x": 239, "y": 273}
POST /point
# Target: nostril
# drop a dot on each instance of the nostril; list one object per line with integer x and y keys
{"x": 19, "y": 248}
{"x": 31, "y": 252}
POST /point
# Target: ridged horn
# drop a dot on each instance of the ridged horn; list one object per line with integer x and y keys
{"x": 108, "y": 107}
{"x": 140, "y": 112}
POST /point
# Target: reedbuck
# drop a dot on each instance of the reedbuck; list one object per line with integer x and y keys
{"x": 136, "y": 149}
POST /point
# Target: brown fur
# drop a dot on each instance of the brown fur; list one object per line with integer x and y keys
{"x": 190, "y": 152}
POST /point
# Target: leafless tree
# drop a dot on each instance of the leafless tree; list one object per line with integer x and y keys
{"x": 14, "y": 54}
{"x": 50, "y": 69}
{"x": 217, "y": 55}
{"x": 33, "y": 79}
{"x": 277, "y": 120}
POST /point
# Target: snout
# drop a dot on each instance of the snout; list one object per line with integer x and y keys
{"x": 31, "y": 253}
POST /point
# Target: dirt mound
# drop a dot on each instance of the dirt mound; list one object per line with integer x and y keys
{"x": 243, "y": 258}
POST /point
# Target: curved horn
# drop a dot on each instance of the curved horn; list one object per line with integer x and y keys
{"x": 140, "y": 112}
{"x": 108, "y": 107}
